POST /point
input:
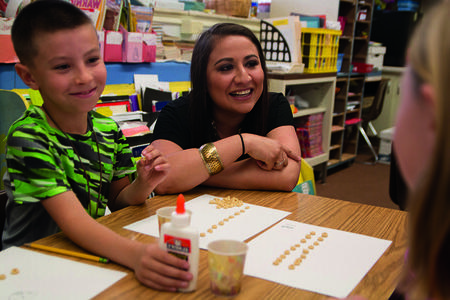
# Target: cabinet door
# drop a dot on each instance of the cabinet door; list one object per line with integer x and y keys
{"x": 391, "y": 103}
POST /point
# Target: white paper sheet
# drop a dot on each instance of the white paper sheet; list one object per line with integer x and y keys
{"x": 43, "y": 276}
{"x": 334, "y": 267}
{"x": 204, "y": 216}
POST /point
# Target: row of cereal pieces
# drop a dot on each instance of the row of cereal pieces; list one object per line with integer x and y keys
{"x": 14, "y": 271}
{"x": 305, "y": 251}
{"x": 222, "y": 222}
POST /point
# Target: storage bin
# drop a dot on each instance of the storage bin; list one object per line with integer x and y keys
{"x": 339, "y": 61}
{"x": 309, "y": 133}
{"x": 407, "y": 5}
{"x": 320, "y": 50}
{"x": 375, "y": 57}
{"x": 384, "y": 151}
{"x": 235, "y": 8}
{"x": 362, "y": 67}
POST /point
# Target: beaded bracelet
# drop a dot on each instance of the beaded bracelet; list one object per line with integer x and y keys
{"x": 211, "y": 158}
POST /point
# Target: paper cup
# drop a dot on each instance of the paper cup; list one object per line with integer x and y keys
{"x": 226, "y": 259}
{"x": 164, "y": 215}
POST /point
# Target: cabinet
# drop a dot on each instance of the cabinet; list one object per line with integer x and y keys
{"x": 318, "y": 90}
{"x": 391, "y": 100}
{"x": 354, "y": 45}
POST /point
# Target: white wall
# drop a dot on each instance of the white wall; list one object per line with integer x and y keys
{"x": 282, "y": 8}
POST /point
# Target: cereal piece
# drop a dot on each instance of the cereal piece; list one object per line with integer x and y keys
{"x": 297, "y": 245}
{"x": 237, "y": 213}
{"x": 247, "y": 207}
{"x": 316, "y": 244}
{"x": 320, "y": 239}
{"x": 210, "y": 230}
{"x": 231, "y": 217}
{"x": 311, "y": 247}
{"x": 220, "y": 223}
{"x": 297, "y": 261}
{"x": 282, "y": 256}
{"x": 324, "y": 234}
{"x": 308, "y": 236}
{"x": 226, "y": 219}
{"x": 305, "y": 251}
{"x": 302, "y": 241}
{"x": 214, "y": 226}
{"x": 312, "y": 233}
{"x": 202, "y": 234}
{"x": 242, "y": 210}
{"x": 303, "y": 256}
{"x": 276, "y": 262}
{"x": 14, "y": 271}
{"x": 2, "y": 276}
{"x": 291, "y": 267}
{"x": 293, "y": 248}
{"x": 287, "y": 252}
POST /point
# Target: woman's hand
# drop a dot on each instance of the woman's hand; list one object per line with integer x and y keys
{"x": 269, "y": 153}
{"x": 160, "y": 270}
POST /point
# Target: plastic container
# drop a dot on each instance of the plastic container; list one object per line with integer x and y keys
{"x": 235, "y": 8}
{"x": 320, "y": 50}
{"x": 339, "y": 61}
{"x": 359, "y": 67}
{"x": 179, "y": 238}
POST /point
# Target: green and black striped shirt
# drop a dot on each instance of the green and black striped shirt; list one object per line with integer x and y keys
{"x": 42, "y": 163}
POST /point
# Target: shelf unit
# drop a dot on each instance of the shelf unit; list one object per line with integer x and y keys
{"x": 318, "y": 90}
{"x": 349, "y": 93}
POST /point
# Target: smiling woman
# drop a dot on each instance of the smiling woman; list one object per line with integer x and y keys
{"x": 229, "y": 131}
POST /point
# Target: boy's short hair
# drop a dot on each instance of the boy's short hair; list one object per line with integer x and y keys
{"x": 43, "y": 16}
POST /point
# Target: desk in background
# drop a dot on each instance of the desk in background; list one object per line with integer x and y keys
{"x": 374, "y": 221}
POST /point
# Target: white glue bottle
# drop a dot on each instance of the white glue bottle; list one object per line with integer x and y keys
{"x": 179, "y": 238}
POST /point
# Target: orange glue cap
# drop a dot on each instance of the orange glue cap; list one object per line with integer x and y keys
{"x": 180, "y": 204}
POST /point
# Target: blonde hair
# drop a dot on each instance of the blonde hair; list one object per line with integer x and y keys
{"x": 429, "y": 203}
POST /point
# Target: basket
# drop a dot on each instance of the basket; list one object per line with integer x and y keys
{"x": 320, "y": 49}
{"x": 235, "y": 8}
{"x": 359, "y": 67}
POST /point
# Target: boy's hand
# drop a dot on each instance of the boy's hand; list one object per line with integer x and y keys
{"x": 153, "y": 167}
{"x": 160, "y": 270}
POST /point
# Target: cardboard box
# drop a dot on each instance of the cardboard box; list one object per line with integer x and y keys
{"x": 113, "y": 46}
{"x": 149, "y": 47}
{"x": 375, "y": 57}
{"x": 132, "y": 47}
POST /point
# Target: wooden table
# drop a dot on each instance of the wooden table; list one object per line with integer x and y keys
{"x": 373, "y": 221}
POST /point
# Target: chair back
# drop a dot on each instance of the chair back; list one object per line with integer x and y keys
{"x": 374, "y": 110}
{"x": 12, "y": 107}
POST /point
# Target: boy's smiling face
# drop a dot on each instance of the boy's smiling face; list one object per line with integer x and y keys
{"x": 68, "y": 70}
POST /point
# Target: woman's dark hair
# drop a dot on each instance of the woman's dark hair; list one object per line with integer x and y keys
{"x": 200, "y": 111}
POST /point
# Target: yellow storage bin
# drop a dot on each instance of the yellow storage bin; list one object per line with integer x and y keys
{"x": 320, "y": 50}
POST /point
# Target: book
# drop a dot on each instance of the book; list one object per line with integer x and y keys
{"x": 95, "y": 9}
{"x": 112, "y": 14}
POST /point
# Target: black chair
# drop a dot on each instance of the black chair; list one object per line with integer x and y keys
{"x": 13, "y": 106}
{"x": 371, "y": 112}
{"x": 3, "y": 199}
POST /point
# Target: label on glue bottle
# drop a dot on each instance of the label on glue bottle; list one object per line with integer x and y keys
{"x": 177, "y": 246}
{"x": 180, "y": 239}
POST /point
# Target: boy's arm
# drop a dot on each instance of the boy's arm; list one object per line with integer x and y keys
{"x": 152, "y": 266}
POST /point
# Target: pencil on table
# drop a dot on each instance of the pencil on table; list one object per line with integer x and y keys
{"x": 68, "y": 252}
